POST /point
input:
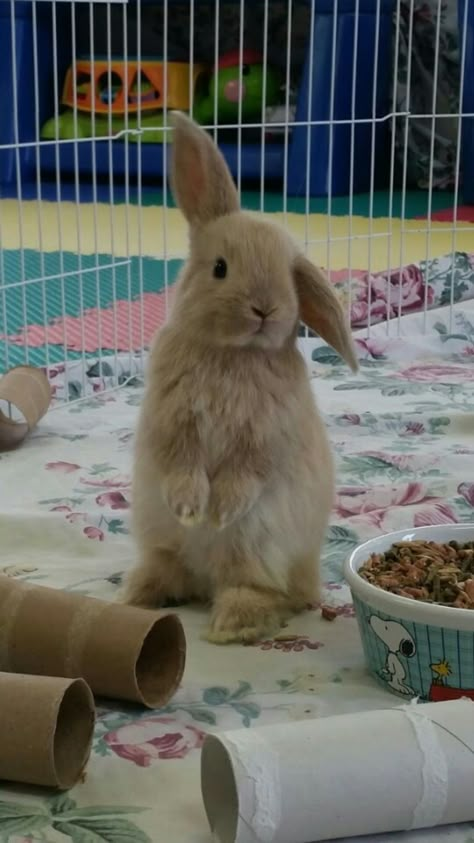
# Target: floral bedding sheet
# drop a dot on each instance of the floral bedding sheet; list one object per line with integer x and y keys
{"x": 403, "y": 434}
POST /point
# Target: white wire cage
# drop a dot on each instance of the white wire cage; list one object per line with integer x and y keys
{"x": 325, "y": 110}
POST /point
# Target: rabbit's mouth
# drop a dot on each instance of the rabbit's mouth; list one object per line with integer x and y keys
{"x": 268, "y": 333}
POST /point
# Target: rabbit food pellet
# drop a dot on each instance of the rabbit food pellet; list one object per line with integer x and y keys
{"x": 426, "y": 571}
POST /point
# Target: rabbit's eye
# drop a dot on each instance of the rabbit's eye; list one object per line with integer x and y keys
{"x": 220, "y": 268}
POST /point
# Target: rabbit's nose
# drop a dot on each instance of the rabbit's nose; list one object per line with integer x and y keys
{"x": 263, "y": 314}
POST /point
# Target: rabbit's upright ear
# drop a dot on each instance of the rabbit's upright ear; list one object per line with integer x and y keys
{"x": 201, "y": 182}
{"x": 321, "y": 310}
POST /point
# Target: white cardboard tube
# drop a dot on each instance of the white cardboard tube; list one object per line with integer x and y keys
{"x": 355, "y": 774}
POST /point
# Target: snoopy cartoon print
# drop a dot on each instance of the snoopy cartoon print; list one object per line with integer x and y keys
{"x": 399, "y": 642}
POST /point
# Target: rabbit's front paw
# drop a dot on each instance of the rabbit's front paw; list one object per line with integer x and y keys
{"x": 187, "y": 496}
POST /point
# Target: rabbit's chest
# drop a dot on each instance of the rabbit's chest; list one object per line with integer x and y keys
{"x": 221, "y": 415}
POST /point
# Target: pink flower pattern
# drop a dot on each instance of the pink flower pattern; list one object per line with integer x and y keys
{"x": 374, "y": 347}
{"x": 437, "y": 374}
{"x": 152, "y": 738}
{"x": 378, "y": 505}
{"x": 438, "y": 513}
{"x": 76, "y": 517}
{"x": 113, "y": 499}
{"x": 94, "y": 533}
{"x": 467, "y": 491}
{"x": 350, "y": 419}
{"x": 116, "y": 482}
{"x": 403, "y": 462}
{"x": 62, "y": 467}
{"x": 383, "y": 296}
{"x": 414, "y": 428}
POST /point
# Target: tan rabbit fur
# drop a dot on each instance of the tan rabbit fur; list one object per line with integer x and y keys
{"x": 233, "y": 476}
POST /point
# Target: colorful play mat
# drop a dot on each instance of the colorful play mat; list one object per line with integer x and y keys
{"x": 73, "y": 283}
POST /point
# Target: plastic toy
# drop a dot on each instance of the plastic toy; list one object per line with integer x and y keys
{"x": 235, "y": 86}
{"x": 109, "y": 90}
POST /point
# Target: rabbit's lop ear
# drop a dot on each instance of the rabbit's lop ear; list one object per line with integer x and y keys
{"x": 321, "y": 310}
{"x": 201, "y": 182}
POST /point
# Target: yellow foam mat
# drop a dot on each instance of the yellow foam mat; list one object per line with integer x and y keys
{"x": 335, "y": 242}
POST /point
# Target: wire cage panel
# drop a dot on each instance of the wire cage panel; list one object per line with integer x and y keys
{"x": 332, "y": 125}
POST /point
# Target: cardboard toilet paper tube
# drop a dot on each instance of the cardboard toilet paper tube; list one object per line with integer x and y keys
{"x": 121, "y": 652}
{"x": 28, "y": 390}
{"x": 355, "y": 774}
{"x": 46, "y": 729}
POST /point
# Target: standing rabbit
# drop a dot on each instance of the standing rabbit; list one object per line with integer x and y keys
{"x": 233, "y": 478}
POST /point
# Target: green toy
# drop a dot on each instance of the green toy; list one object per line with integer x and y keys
{"x": 234, "y": 87}
{"x": 96, "y": 109}
{"x": 71, "y": 125}
{"x": 102, "y": 98}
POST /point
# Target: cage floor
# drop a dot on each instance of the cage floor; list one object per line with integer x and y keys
{"x": 363, "y": 240}
{"x": 381, "y": 203}
{"x": 78, "y": 288}
{"x": 82, "y": 303}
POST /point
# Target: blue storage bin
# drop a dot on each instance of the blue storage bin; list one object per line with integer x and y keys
{"x": 18, "y": 167}
{"x": 332, "y": 173}
{"x": 467, "y": 101}
{"x": 20, "y": 50}
{"x": 316, "y": 78}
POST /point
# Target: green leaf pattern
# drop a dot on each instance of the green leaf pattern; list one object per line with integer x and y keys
{"x": 88, "y": 824}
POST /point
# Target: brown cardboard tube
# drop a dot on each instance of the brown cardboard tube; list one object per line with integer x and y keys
{"x": 121, "y": 652}
{"x": 28, "y": 391}
{"x": 46, "y": 728}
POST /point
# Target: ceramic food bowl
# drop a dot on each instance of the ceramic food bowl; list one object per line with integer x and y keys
{"x": 416, "y": 649}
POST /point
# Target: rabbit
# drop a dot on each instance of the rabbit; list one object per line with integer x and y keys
{"x": 233, "y": 474}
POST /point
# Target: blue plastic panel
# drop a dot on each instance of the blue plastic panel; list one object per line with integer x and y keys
{"x": 467, "y": 105}
{"x": 316, "y": 75}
